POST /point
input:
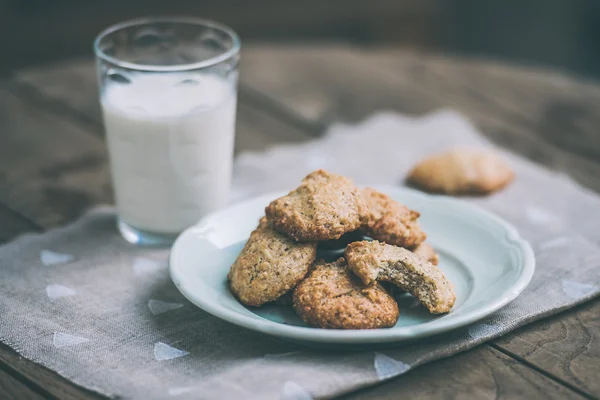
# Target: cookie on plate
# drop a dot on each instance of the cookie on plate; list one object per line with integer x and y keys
{"x": 461, "y": 171}
{"x": 375, "y": 261}
{"x": 424, "y": 251}
{"x": 269, "y": 265}
{"x": 332, "y": 297}
{"x": 323, "y": 207}
{"x": 427, "y": 252}
{"x": 390, "y": 221}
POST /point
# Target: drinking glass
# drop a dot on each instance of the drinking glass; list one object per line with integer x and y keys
{"x": 168, "y": 90}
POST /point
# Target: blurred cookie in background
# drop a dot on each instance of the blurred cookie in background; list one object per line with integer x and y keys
{"x": 462, "y": 172}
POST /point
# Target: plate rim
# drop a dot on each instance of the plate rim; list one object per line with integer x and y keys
{"x": 511, "y": 237}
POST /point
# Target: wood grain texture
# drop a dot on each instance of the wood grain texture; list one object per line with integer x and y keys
{"x": 290, "y": 94}
{"x": 325, "y": 84}
{"x": 343, "y": 83}
{"x": 566, "y": 346}
{"x": 71, "y": 91}
{"x": 408, "y": 21}
{"x": 13, "y": 389}
{"x": 482, "y": 373}
{"x": 553, "y": 105}
{"x": 40, "y": 379}
{"x": 51, "y": 169}
{"x": 13, "y": 224}
{"x": 544, "y": 115}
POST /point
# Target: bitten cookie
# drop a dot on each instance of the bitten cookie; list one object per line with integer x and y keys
{"x": 269, "y": 265}
{"x": 426, "y": 252}
{"x": 390, "y": 221}
{"x": 375, "y": 261}
{"x": 466, "y": 171}
{"x": 332, "y": 297}
{"x": 323, "y": 207}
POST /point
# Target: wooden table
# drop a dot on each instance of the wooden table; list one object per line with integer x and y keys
{"x": 53, "y": 167}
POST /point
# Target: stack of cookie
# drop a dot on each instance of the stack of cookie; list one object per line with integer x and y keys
{"x": 280, "y": 257}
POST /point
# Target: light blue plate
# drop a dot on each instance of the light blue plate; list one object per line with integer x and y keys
{"x": 480, "y": 253}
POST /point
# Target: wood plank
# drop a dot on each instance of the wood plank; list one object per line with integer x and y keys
{"x": 565, "y": 346}
{"x": 71, "y": 91}
{"x": 554, "y": 105}
{"x": 52, "y": 170}
{"x": 13, "y": 389}
{"x": 13, "y": 224}
{"x": 482, "y": 373}
{"x": 351, "y": 98}
{"x": 323, "y": 84}
{"x": 548, "y": 107}
{"x": 311, "y": 82}
{"x": 47, "y": 382}
{"x": 408, "y": 21}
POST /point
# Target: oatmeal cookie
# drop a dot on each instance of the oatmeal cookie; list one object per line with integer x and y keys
{"x": 375, "y": 261}
{"x": 269, "y": 265}
{"x": 461, "y": 172}
{"x": 332, "y": 297}
{"x": 323, "y": 207}
{"x": 390, "y": 221}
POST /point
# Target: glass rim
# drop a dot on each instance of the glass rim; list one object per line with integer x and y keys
{"x": 235, "y": 48}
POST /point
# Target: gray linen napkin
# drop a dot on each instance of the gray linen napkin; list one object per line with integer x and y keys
{"x": 104, "y": 314}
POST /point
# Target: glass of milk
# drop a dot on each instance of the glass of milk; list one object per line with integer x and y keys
{"x": 168, "y": 90}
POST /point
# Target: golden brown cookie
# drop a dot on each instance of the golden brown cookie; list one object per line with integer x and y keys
{"x": 390, "y": 221}
{"x": 373, "y": 261}
{"x": 427, "y": 252}
{"x": 269, "y": 265}
{"x": 332, "y": 297}
{"x": 323, "y": 207}
{"x": 466, "y": 171}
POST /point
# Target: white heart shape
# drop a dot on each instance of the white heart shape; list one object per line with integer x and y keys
{"x": 293, "y": 391}
{"x": 576, "y": 290}
{"x": 387, "y": 367}
{"x": 64, "y": 340}
{"x": 55, "y": 291}
{"x": 163, "y": 351}
{"x": 48, "y": 258}
{"x": 159, "y": 307}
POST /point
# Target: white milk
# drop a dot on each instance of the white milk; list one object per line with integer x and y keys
{"x": 170, "y": 139}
